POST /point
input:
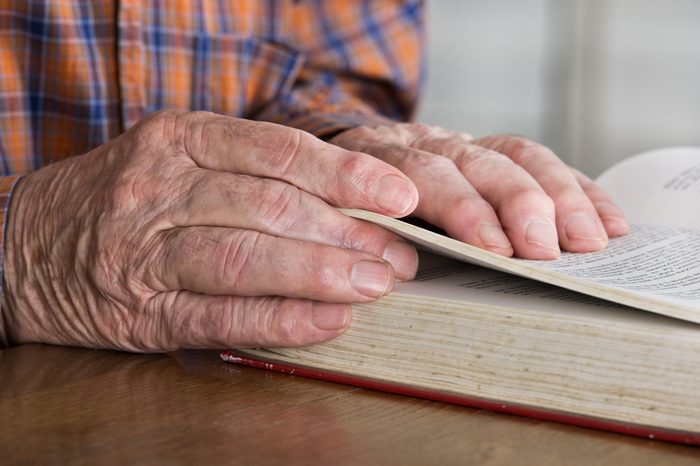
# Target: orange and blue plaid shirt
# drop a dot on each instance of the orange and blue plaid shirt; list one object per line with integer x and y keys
{"x": 76, "y": 73}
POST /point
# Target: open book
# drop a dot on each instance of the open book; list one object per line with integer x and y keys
{"x": 609, "y": 339}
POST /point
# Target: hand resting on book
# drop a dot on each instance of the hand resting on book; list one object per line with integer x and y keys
{"x": 502, "y": 193}
{"x": 198, "y": 230}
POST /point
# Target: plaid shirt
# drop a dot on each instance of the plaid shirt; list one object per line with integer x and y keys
{"x": 76, "y": 73}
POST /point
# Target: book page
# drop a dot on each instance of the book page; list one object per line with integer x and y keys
{"x": 653, "y": 268}
{"x": 653, "y": 261}
{"x": 442, "y": 278}
{"x": 660, "y": 187}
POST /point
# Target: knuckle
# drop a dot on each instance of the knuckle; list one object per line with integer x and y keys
{"x": 278, "y": 149}
{"x": 266, "y": 321}
{"x": 223, "y": 324}
{"x": 233, "y": 258}
{"x": 363, "y": 132}
{"x": 523, "y": 150}
{"x": 473, "y": 206}
{"x": 477, "y": 158}
{"x": 193, "y": 190}
{"x": 159, "y": 257}
{"x": 532, "y": 197}
{"x": 157, "y": 119}
{"x": 289, "y": 323}
{"x": 185, "y": 132}
{"x": 287, "y": 151}
{"x": 229, "y": 326}
{"x": 519, "y": 143}
{"x": 182, "y": 247}
{"x": 293, "y": 143}
{"x": 279, "y": 204}
{"x": 123, "y": 196}
{"x": 356, "y": 167}
{"x": 180, "y": 321}
{"x": 449, "y": 146}
{"x": 408, "y": 128}
{"x": 324, "y": 276}
{"x": 398, "y": 134}
{"x": 422, "y": 132}
{"x": 159, "y": 125}
{"x": 358, "y": 138}
{"x": 329, "y": 270}
{"x": 361, "y": 236}
{"x": 432, "y": 164}
{"x": 357, "y": 170}
{"x": 135, "y": 187}
{"x": 193, "y": 133}
{"x": 569, "y": 195}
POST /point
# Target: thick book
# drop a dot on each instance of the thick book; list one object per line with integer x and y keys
{"x": 608, "y": 340}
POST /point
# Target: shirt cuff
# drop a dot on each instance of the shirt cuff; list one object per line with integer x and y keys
{"x": 7, "y": 185}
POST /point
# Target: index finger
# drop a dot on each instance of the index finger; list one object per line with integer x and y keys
{"x": 341, "y": 177}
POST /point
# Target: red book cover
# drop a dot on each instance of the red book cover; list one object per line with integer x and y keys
{"x": 649, "y": 432}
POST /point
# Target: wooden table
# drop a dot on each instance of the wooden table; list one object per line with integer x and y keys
{"x": 73, "y": 406}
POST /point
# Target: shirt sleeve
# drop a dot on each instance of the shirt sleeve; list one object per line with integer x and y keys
{"x": 362, "y": 65}
{"x": 7, "y": 183}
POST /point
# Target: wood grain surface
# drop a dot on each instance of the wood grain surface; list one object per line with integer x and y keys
{"x": 74, "y": 406}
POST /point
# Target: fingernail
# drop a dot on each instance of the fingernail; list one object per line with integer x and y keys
{"x": 582, "y": 225}
{"x": 492, "y": 236}
{"x": 403, "y": 259}
{"x": 371, "y": 278}
{"x": 394, "y": 194}
{"x": 542, "y": 233}
{"x": 326, "y": 316}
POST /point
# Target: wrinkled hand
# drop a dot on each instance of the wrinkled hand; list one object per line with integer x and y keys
{"x": 502, "y": 193}
{"x": 197, "y": 230}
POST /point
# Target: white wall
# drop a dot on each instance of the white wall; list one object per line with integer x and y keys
{"x": 597, "y": 80}
{"x": 486, "y": 65}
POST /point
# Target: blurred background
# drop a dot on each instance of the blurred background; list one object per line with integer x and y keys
{"x": 596, "y": 80}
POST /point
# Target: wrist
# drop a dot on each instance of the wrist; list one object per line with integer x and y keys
{"x": 13, "y": 223}
{"x": 7, "y": 188}
{"x": 4, "y": 339}
{"x": 41, "y": 293}
{"x": 25, "y": 249}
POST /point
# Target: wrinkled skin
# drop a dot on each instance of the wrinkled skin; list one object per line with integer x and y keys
{"x": 198, "y": 230}
{"x": 502, "y": 193}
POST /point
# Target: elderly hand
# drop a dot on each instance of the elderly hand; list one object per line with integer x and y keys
{"x": 197, "y": 230}
{"x": 502, "y": 193}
